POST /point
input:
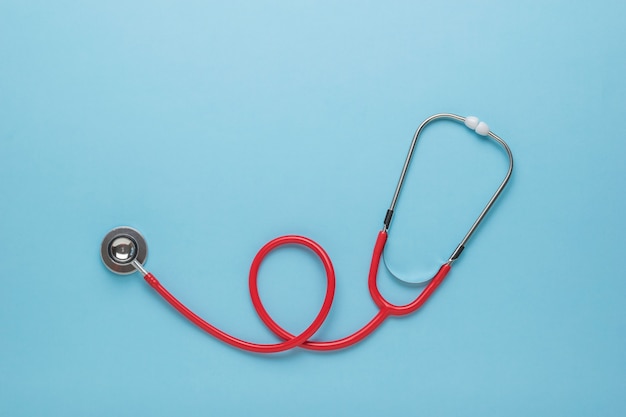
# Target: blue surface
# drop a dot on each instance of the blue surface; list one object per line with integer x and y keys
{"x": 213, "y": 128}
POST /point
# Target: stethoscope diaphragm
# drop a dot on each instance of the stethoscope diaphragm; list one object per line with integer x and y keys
{"x": 120, "y": 247}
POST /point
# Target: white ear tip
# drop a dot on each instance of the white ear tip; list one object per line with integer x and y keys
{"x": 482, "y": 129}
{"x": 471, "y": 122}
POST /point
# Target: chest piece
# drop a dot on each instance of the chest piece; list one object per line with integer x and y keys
{"x": 120, "y": 247}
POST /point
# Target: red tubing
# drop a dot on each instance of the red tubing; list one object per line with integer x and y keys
{"x": 302, "y": 340}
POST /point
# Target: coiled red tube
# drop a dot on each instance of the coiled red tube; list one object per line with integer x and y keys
{"x": 290, "y": 341}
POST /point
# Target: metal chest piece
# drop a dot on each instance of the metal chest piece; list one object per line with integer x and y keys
{"x": 120, "y": 247}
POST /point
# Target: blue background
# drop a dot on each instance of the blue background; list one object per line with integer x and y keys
{"x": 213, "y": 128}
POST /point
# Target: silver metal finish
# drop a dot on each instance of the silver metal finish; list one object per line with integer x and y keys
{"x": 122, "y": 248}
{"x": 409, "y": 156}
{"x": 492, "y": 200}
{"x": 139, "y": 267}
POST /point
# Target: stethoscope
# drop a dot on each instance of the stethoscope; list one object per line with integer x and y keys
{"x": 124, "y": 251}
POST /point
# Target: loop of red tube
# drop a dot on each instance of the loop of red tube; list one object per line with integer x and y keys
{"x": 290, "y": 341}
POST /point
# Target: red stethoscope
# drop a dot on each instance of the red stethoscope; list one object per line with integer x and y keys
{"x": 124, "y": 251}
